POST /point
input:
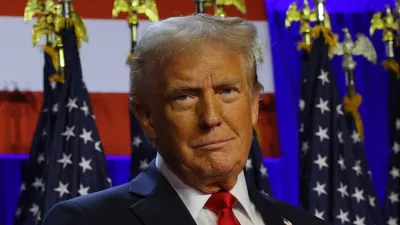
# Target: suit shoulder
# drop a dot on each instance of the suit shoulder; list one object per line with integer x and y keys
{"x": 104, "y": 197}
{"x": 293, "y": 213}
{"x": 65, "y": 213}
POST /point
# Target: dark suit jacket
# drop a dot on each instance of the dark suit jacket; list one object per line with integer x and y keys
{"x": 149, "y": 199}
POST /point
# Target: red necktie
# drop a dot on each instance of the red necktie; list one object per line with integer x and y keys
{"x": 221, "y": 203}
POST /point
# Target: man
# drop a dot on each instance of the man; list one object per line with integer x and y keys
{"x": 195, "y": 93}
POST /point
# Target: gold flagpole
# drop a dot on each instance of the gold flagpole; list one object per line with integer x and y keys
{"x": 134, "y": 8}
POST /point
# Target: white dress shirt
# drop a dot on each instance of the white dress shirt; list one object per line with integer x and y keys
{"x": 244, "y": 210}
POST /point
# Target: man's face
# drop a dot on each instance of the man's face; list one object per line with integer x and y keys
{"x": 202, "y": 114}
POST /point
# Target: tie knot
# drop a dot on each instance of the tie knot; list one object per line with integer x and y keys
{"x": 220, "y": 201}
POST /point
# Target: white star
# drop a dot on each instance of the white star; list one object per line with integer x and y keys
{"x": 321, "y": 162}
{"x": 18, "y": 212}
{"x": 97, "y": 146}
{"x": 357, "y": 168}
{"x": 319, "y": 214}
{"x": 343, "y": 216}
{"x": 65, "y": 160}
{"x": 69, "y": 132}
{"x": 359, "y": 195}
{"x": 109, "y": 181}
{"x": 40, "y": 158}
{"x": 320, "y": 189}
{"x": 394, "y": 197}
{"x": 44, "y": 133}
{"x": 83, "y": 190}
{"x": 23, "y": 187}
{"x": 38, "y": 183}
{"x": 143, "y": 164}
{"x": 62, "y": 189}
{"x": 396, "y": 148}
{"x": 302, "y": 104}
{"x": 343, "y": 190}
{"x": 322, "y": 133}
{"x": 263, "y": 170}
{"x": 339, "y": 109}
{"x": 53, "y": 85}
{"x": 85, "y": 164}
{"x": 248, "y": 164}
{"x": 304, "y": 147}
{"x": 392, "y": 221}
{"x": 359, "y": 221}
{"x": 86, "y": 135}
{"x": 34, "y": 210}
{"x": 323, "y": 106}
{"x": 398, "y": 124}
{"x": 340, "y": 136}
{"x": 72, "y": 104}
{"x": 137, "y": 141}
{"x": 371, "y": 201}
{"x": 356, "y": 137}
{"x": 323, "y": 77}
{"x": 301, "y": 130}
{"x": 54, "y": 109}
{"x": 395, "y": 172}
{"x": 85, "y": 109}
{"x": 341, "y": 163}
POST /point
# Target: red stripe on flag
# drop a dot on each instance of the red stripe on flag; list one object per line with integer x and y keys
{"x": 166, "y": 8}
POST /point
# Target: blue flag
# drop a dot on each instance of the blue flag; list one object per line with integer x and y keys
{"x": 32, "y": 189}
{"x": 143, "y": 149}
{"x": 77, "y": 163}
{"x": 256, "y": 172}
{"x": 392, "y": 201}
{"x": 334, "y": 173}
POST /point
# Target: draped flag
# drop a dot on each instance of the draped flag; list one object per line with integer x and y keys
{"x": 143, "y": 150}
{"x": 334, "y": 176}
{"x": 255, "y": 171}
{"x": 32, "y": 188}
{"x": 392, "y": 201}
{"x": 77, "y": 163}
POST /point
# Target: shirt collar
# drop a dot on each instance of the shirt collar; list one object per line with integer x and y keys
{"x": 194, "y": 199}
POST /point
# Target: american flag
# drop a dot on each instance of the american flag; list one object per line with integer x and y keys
{"x": 77, "y": 163}
{"x": 143, "y": 149}
{"x": 32, "y": 188}
{"x": 255, "y": 171}
{"x": 334, "y": 178}
{"x": 392, "y": 201}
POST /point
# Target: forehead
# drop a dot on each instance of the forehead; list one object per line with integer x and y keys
{"x": 204, "y": 64}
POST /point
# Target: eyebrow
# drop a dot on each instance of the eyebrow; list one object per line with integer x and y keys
{"x": 192, "y": 87}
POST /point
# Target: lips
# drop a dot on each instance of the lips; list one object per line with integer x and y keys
{"x": 213, "y": 144}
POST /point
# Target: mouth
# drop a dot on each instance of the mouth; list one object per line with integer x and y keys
{"x": 213, "y": 144}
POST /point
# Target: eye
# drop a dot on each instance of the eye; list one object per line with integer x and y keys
{"x": 181, "y": 98}
{"x": 227, "y": 91}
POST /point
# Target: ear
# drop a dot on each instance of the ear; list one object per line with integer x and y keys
{"x": 143, "y": 115}
{"x": 255, "y": 107}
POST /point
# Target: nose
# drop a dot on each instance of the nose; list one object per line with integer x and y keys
{"x": 210, "y": 112}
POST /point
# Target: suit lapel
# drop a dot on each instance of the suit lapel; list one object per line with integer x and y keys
{"x": 160, "y": 204}
{"x": 265, "y": 206}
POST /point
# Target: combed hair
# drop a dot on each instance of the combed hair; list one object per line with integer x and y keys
{"x": 164, "y": 39}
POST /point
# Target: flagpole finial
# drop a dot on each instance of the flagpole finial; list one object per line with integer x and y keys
{"x": 134, "y": 8}
{"x": 305, "y": 16}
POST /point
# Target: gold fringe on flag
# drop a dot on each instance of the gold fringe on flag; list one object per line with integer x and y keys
{"x": 391, "y": 64}
{"x": 58, "y": 78}
{"x": 302, "y": 45}
{"x": 351, "y": 105}
{"x": 330, "y": 37}
{"x": 129, "y": 59}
